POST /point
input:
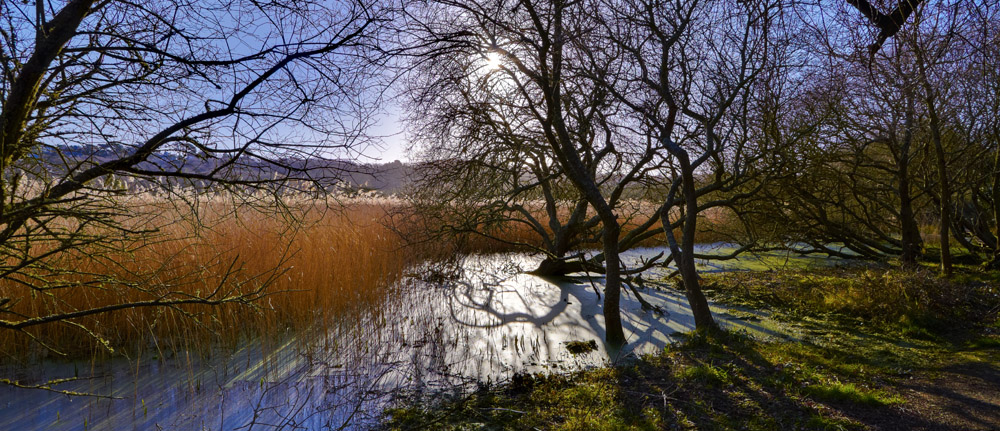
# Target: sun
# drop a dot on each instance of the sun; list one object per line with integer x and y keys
{"x": 492, "y": 61}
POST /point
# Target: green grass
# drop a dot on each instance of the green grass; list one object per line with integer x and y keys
{"x": 766, "y": 261}
{"x": 917, "y": 304}
{"x": 850, "y": 393}
{"x": 584, "y": 401}
{"x": 986, "y": 342}
{"x": 706, "y": 374}
{"x": 721, "y": 381}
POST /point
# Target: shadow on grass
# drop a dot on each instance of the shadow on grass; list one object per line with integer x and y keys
{"x": 755, "y": 385}
{"x": 725, "y": 381}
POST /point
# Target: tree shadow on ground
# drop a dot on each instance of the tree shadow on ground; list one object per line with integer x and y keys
{"x": 731, "y": 382}
{"x": 965, "y": 395}
{"x": 727, "y": 381}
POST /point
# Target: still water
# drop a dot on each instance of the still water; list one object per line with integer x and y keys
{"x": 474, "y": 323}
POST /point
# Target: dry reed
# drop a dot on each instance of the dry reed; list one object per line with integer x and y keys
{"x": 714, "y": 226}
{"x": 317, "y": 270}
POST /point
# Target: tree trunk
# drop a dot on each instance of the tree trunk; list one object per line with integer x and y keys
{"x": 557, "y": 267}
{"x": 612, "y": 289}
{"x": 942, "y": 165}
{"x": 995, "y": 194}
{"x": 564, "y": 148}
{"x": 944, "y": 186}
{"x": 703, "y": 319}
{"x": 912, "y": 243}
{"x": 588, "y": 187}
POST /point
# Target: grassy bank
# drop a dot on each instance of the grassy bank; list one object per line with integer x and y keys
{"x": 912, "y": 302}
{"x": 857, "y": 366}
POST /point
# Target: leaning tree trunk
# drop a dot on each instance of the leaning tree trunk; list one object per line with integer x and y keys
{"x": 553, "y": 266}
{"x": 565, "y": 236}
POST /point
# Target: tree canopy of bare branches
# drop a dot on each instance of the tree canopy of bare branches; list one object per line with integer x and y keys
{"x": 106, "y": 100}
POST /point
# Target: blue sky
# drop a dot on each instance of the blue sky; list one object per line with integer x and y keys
{"x": 390, "y": 130}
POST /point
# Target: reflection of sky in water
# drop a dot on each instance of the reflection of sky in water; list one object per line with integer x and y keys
{"x": 488, "y": 323}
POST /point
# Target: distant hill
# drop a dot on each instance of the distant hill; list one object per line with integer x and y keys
{"x": 387, "y": 178}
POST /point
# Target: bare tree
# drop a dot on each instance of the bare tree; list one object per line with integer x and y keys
{"x": 891, "y": 137}
{"x": 854, "y": 184}
{"x": 977, "y": 114}
{"x": 689, "y": 70}
{"x": 104, "y": 99}
{"x": 577, "y": 83}
{"x": 558, "y": 111}
{"x": 933, "y": 41}
{"x": 483, "y": 166}
{"x": 888, "y": 24}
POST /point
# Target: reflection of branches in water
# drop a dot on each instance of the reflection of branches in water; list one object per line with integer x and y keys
{"x": 340, "y": 387}
{"x": 451, "y": 335}
{"x": 459, "y": 309}
{"x": 493, "y": 325}
{"x": 50, "y": 384}
{"x": 485, "y": 300}
{"x": 631, "y": 282}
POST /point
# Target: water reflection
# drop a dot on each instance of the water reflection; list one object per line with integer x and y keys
{"x": 482, "y": 324}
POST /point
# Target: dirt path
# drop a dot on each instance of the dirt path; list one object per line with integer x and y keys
{"x": 958, "y": 397}
{"x": 962, "y": 397}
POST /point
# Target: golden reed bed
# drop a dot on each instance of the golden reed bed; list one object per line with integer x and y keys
{"x": 328, "y": 263}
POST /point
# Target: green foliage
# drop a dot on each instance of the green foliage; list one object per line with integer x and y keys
{"x": 849, "y": 392}
{"x": 916, "y": 303}
{"x": 708, "y": 375}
